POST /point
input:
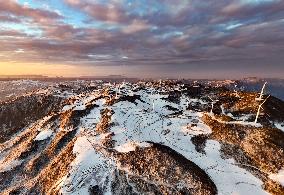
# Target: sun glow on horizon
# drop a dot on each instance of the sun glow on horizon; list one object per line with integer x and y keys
{"x": 45, "y": 69}
{"x": 17, "y": 68}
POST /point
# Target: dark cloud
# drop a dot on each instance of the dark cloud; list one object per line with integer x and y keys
{"x": 266, "y": 9}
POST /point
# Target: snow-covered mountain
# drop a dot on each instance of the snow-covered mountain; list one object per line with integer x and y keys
{"x": 163, "y": 137}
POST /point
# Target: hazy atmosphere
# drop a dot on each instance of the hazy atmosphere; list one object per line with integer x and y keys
{"x": 157, "y": 38}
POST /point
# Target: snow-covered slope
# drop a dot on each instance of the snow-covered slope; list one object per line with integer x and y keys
{"x": 142, "y": 138}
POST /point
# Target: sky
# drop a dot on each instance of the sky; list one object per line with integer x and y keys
{"x": 143, "y": 38}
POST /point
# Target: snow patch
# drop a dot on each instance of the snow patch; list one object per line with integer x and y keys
{"x": 43, "y": 135}
{"x": 67, "y": 107}
{"x": 9, "y": 166}
{"x": 279, "y": 177}
{"x": 89, "y": 168}
{"x": 228, "y": 177}
{"x": 131, "y": 146}
{"x": 279, "y": 126}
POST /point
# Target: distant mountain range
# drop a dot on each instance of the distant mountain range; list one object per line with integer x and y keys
{"x": 275, "y": 86}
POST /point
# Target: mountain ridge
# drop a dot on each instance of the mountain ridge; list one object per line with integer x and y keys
{"x": 163, "y": 137}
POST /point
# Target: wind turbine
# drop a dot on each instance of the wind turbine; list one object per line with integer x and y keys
{"x": 261, "y": 93}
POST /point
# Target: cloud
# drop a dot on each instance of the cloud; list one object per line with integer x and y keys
{"x": 265, "y": 11}
{"x": 38, "y": 15}
{"x": 155, "y": 34}
{"x": 12, "y": 33}
{"x": 108, "y": 12}
{"x": 136, "y": 26}
{"x": 9, "y": 18}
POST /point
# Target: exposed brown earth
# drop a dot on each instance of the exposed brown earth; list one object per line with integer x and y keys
{"x": 168, "y": 171}
{"x": 17, "y": 114}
